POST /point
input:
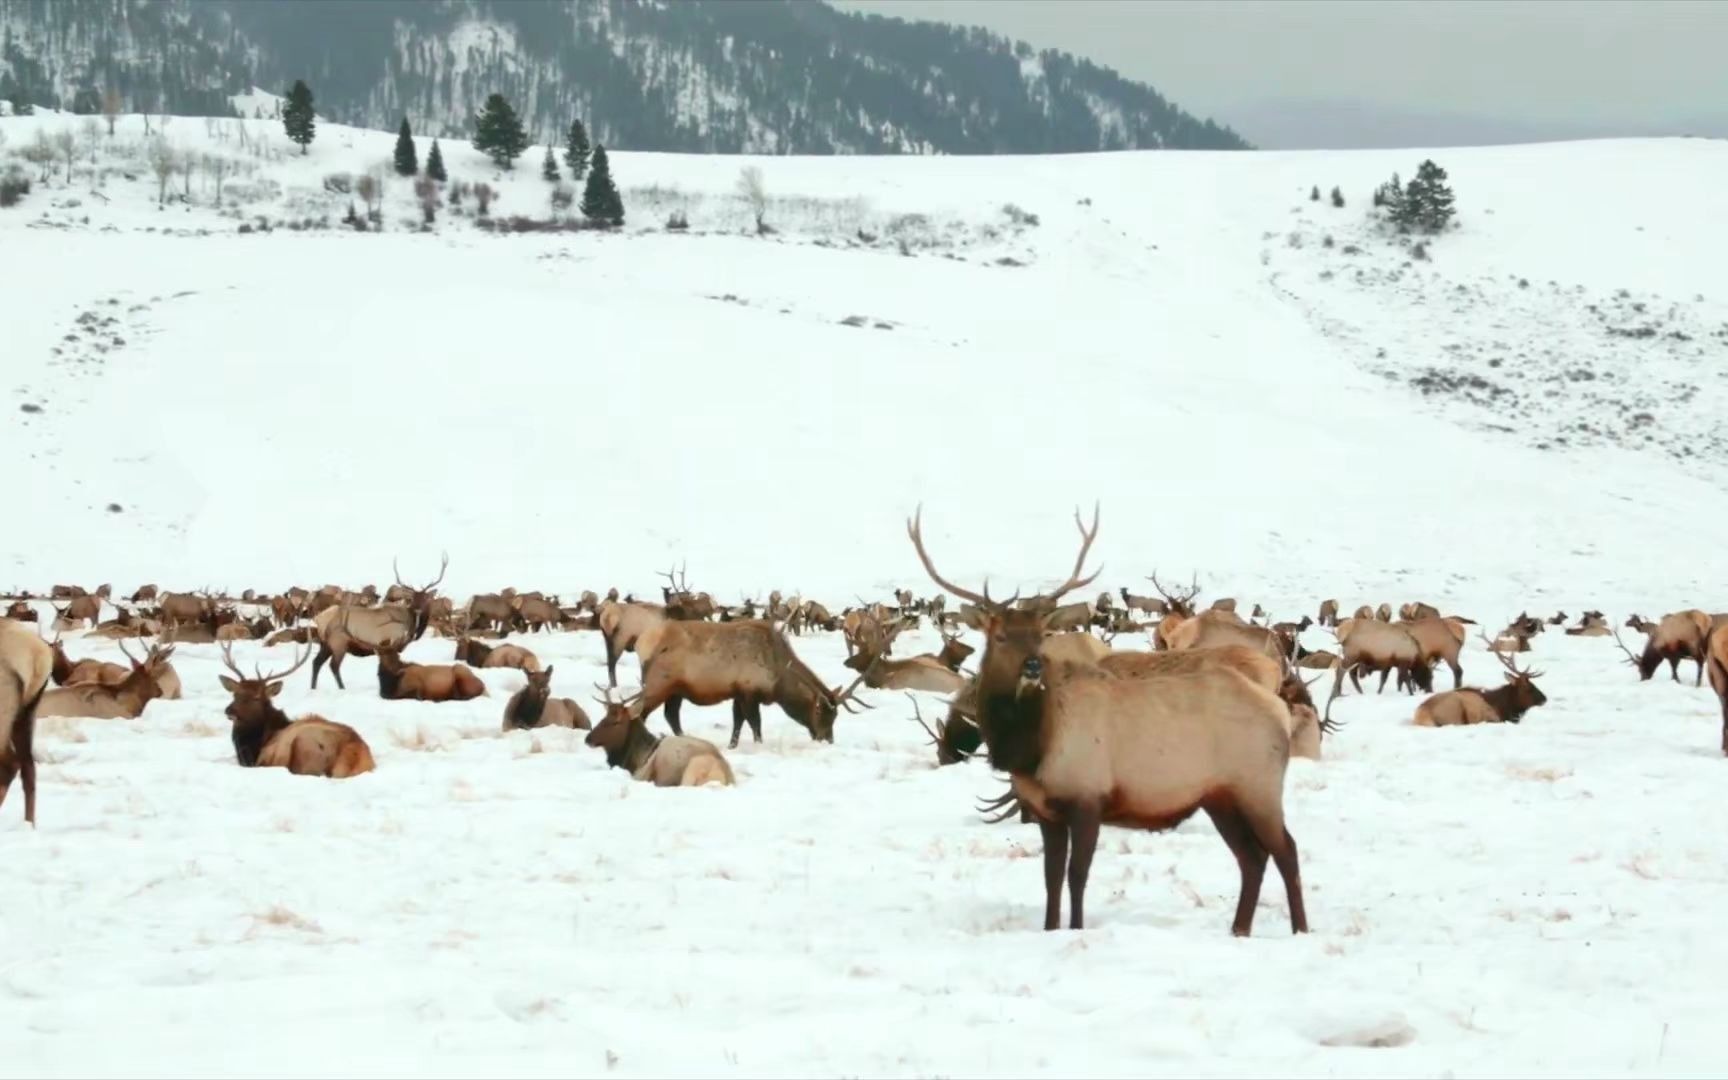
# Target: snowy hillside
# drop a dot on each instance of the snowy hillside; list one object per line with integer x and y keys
{"x": 256, "y": 395}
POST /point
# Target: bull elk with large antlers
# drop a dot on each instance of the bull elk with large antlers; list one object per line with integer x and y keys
{"x": 264, "y": 737}
{"x": 1085, "y": 748}
{"x": 1680, "y": 635}
{"x": 362, "y": 630}
{"x": 1502, "y": 705}
{"x": 25, "y": 662}
{"x": 100, "y": 701}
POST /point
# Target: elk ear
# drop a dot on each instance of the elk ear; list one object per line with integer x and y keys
{"x": 273, "y": 689}
{"x": 229, "y": 684}
{"x": 548, "y": 671}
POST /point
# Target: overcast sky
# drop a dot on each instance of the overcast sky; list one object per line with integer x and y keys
{"x": 1392, "y": 72}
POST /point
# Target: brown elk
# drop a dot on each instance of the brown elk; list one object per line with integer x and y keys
{"x": 264, "y": 737}
{"x": 143, "y": 594}
{"x": 1383, "y": 613}
{"x": 533, "y": 706}
{"x": 1503, "y": 704}
{"x": 954, "y": 651}
{"x": 1266, "y": 671}
{"x": 1086, "y": 748}
{"x": 92, "y": 671}
{"x": 82, "y": 607}
{"x": 482, "y": 655}
{"x": 750, "y": 664}
{"x": 1415, "y": 610}
{"x": 1441, "y": 639}
{"x": 1680, "y": 635}
{"x": 100, "y": 701}
{"x": 1557, "y": 619}
{"x": 25, "y": 663}
{"x": 1328, "y": 613}
{"x": 352, "y": 628}
{"x": 21, "y": 611}
{"x": 1370, "y": 645}
{"x": 537, "y": 613}
{"x": 299, "y": 635}
{"x": 1516, "y": 637}
{"x": 179, "y": 608}
{"x": 621, "y": 629}
{"x": 399, "y": 680}
{"x": 1716, "y": 661}
{"x": 956, "y": 737}
{"x": 285, "y": 610}
{"x": 662, "y": 760}
{"x": 925, "y": 672}
{"x": 66, "y": 592}
{"x": 1590, "y": 624}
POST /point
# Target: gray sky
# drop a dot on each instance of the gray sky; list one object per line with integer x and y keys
{"x": 1392, "y": 72}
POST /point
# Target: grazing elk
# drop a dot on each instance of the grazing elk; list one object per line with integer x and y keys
{"x": 662, "y": 760}
{"x": 621, "y": 629}
{"x": 1502, "y": 705}
{"x": 1715, "y": 661}
{"x": 1441, "y": 639}
{"x": 363, "y": 631}
{"x": 482, "y": 655}
{"x": 1086, "y": 748}
{"x": 750, "y": 664}
{"x": 264, "y": 737}
{"x": 1678, "y": 636}
{"x": 25, "y": 663}
{"x": 533, "y": 706}
{"x": 535, "y": 613}
{"x": 399, "y": 680}
{"x": 1370, "y": 645}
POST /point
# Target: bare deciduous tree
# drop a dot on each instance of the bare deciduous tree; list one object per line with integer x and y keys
{"x": 40, "y": 153}
{"x": 111, "y": 109}
{"x": 218, "y": 168}
{"x": 370, "y": 191}
{"x": 426, "y": 190}
{"x": 162, "y": 163}
{"x": 755, "y": 193}
{"x": 66, "y": 149}
{"x": 483, "y": 196}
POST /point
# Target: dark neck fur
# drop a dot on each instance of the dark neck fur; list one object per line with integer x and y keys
{"x": 1504, "y": 700}
{"x": 250, "y": 737}
{"x": 637, "y": 746}
{"x": 388, "y": 681}
{"x": 1013, "y": 729}
{"x": 526, "y": 709}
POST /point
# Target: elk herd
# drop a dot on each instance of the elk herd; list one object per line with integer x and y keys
{"x": 1088, "y": 733}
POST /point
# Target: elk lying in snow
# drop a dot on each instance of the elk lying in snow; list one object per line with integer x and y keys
{"x": 482, "y": 655}
{"x": 1590, "y": 624}
{"x": 25, "y": 663}
{"x": 923, "y": 672}
{"x": 1502, "y": 705}
{"x": 299, "y": 635}
{"x": 1557, "y": 619}
{"x": 362, "y": 630}
{"x": 957, "y": 737}
{"x": 100, "y": 701}
{"x": 1715, "y": 660}
{"x": 1516, "y": 637}
{"x": 1679, "y": 636}
{"x": 662, "y": 760}
{"x": 622, "y": 627}
{"x": 533, "y": 706}
{"x": 749, "y": 663}
{"x": 144, "y": 594}
{"x": 399, "y": 680}
{"x": 1086, "y": 748}
{"x": 264, "y": 737}
{"x": 21, "y": 611}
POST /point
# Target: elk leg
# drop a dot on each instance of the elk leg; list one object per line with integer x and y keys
{"x": 738, "y": 715}
{"x": 611, "y": 659}
{"x": 1055, "y": 861}
{"x": 1283, "y": 848}
{"x": 1457, "y": 673}
{"x": 1083, "y": 822}
{"x": 24, "y": 756}
{"x": 1700, "y": 680}
{"x": 755, "y": 719}
{"x": 1250, "y": 859}
{"x": 673, "y": 704}
{"x": 1674, "y": 667}
{"x": 1383, "y": 674}
{"x": 1356, "y": 678}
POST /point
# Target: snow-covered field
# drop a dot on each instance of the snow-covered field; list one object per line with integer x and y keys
{"x": 582, "y": 410}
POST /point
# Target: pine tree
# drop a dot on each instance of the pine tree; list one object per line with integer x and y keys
{"x": 549, "y": 166}
{"x": 435, "y": 163}
{"x": 1428, "y": 201}
{"x": 1337, "y": 197}
{"x": 297, "y": 118}
{"x": 498, "y": 133}
{"x": 576, "y": 150}
{"x": 600, "y": 199}
{"x": 407, "y": 160}
{"x": 1314, "y": 193}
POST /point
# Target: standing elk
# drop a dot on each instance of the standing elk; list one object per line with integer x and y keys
{"x": 1502, "y": 705}
{"x": 662, "y": 760}
{"x": 1441, "y": 639}
{"x": 750, "y": 664}
{"x": 363, "y": 631}
{"x": 1086, "y": 748}
{"x": 399, "y": 680}
{"x": 1679, "y": 636}
{"x": 534, "y": 613}
{"x": 533, "y": 706}
{"x": 143, "y": 594}
{"x": 1716, "y": 661}
{"x": 264, "y": 737}
{"x": 621, "y": 629}
{"x": 1328, "y": 613}
{"x": 25, "y": 663}
{"x": 490, "y": 611}
{"x": 1370, "y": 645}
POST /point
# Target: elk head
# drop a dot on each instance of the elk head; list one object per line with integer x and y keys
{"x": 421, "y": 599}
{"x": 253, "y": 710}
{"x": 1181, "y": 602}
{"x": 1526, "y": 695}
{"x": 1012, "y": 664}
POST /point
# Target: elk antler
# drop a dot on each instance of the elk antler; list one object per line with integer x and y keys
{"x": 915, "y": 530}
{"x": 1631, "y": 657}
{"x": 1508, "y": 663}
{"x": 1182, "y": 601}
{"x": 257, "y": 675}
{"x": 1075, "y": 581}
{"x": 443, "y": 565}
{"x": 122, "y": 643}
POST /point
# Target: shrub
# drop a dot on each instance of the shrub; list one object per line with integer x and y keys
{"x": 677, "y": 222}
{"x": 1019, "y": 216}
{"x": 13, "y": 187}
{"x": 339, "y": 183}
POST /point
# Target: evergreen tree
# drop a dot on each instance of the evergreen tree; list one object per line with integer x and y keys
{"x": 1314, "y": 193}
{"x": 498, "y": 133}
{"x": 1428, "y": 201}
{"x": 600, "y": 199}
{"x": 1337, "y": 197}
{"x": 549, "y": 166}
{"x": 297, "y": 119}
{"x": 435, "y": 163}
{"x": 407, "y": 160}
{"x": 576, "y": 150}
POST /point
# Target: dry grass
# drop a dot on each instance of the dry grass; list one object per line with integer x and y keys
{"x": 284, "y": 918}
{"x": 1545, "y": 775}
{"x": 422, "y": 738}
{"x": 1644, "y": 865}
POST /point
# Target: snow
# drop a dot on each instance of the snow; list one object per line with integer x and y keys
{"x": 568, "y": 411}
